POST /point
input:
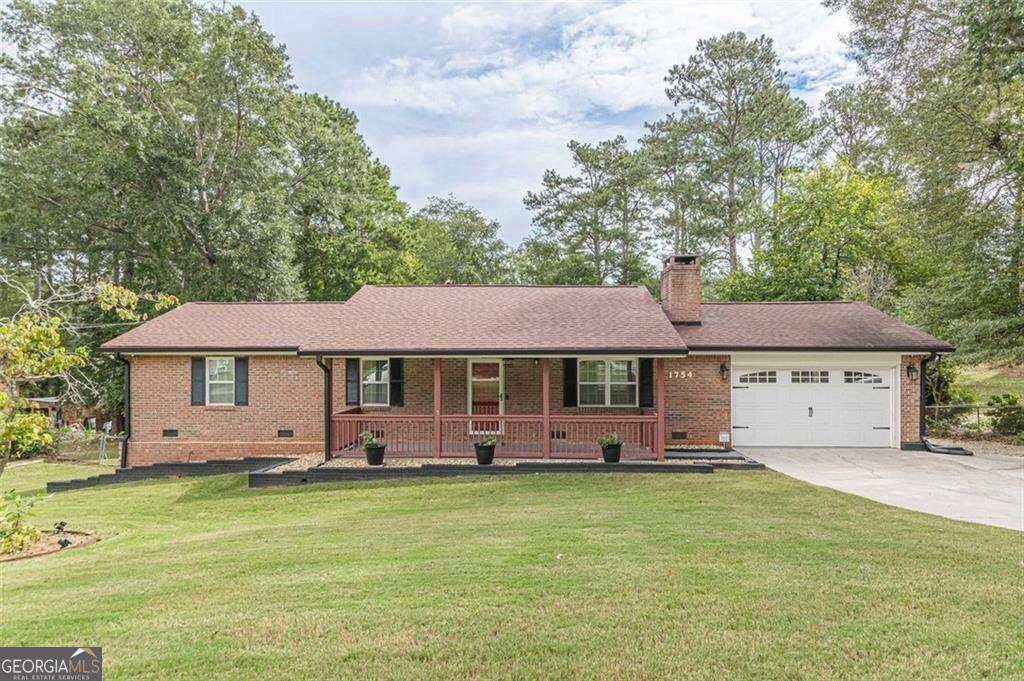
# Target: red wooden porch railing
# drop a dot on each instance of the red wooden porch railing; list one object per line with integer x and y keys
{"x": 519, "y": 436}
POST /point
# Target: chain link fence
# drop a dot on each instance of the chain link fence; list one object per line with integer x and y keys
{"x": 979, "y": 419}
{"x": 88, "y": 446}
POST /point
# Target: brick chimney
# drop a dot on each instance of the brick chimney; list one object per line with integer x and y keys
{"x": 680, "y": 289}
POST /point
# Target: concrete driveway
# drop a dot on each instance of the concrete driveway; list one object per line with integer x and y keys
{"x": 980, "y": 489}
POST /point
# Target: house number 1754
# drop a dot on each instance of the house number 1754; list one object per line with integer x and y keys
{"x": 674, "y": 373}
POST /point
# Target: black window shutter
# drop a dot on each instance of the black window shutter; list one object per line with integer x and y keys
{"x": 241, "y": 381}
{"x": 198, "y": 381}
{"x": 646, "y": 382}
{"x": 397, "y": 382}
{"x": 569, "y": 382}
{"x": 352, "y": 380}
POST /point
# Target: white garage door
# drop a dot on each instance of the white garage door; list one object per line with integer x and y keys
{"x": 806, "y": 406}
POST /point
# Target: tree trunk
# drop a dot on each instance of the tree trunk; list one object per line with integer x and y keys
{"x": 1018, "y": 235}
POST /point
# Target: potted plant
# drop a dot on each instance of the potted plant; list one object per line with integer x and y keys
{"x": 611, "y": 447}
{"x": 485, "y": 450}
{"x": 373, "y": 447}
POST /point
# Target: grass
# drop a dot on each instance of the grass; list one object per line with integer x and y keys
{"x": 603, "y": 576}
{"x": 987, "y": 380}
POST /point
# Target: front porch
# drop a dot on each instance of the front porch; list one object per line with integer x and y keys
{"x": 536, "y": 408}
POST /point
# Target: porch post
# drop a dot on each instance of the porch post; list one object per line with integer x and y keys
{"x": 659, "y": 382}
{"x": 545, "y": 401}
{"x": 437, "y": 407}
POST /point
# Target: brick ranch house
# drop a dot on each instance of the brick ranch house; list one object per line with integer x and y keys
{"x": 546, "y": 369}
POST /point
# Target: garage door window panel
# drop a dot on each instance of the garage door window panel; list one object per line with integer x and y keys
{"x": 759, "y": 377}
{"x": 809, "y": 376}
{"x": 861, "y": 377}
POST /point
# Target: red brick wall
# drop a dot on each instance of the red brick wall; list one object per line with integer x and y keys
{"x": 284, "y": 393}
{"x": 910, "y": 401}
{"x": 697, "y": 400}
{"x": 680, "y": 291}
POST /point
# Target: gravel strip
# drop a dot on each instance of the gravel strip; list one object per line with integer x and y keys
{"x": 303, "y": 462}
{"x": 396, "y": 462}
{"x": 399, "y": 462}
{"x": 983, "y": 447}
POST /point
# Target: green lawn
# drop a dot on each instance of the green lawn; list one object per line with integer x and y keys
{"x": 987, "y": 381}
{"x": 735, "y": 574}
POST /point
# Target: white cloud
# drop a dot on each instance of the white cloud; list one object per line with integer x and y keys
{"x": 609, "y": 60}
{"x": 479, "y": 99}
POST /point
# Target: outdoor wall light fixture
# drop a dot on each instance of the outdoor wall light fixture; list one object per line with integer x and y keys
{"x": 911, "y": 372}
{"x": 723, "y": 371}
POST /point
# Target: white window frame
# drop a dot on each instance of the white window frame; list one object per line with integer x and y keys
{"x": 608, "y": 383}
{"x": 231, "y": 382}
{"x": 362, "y": 382}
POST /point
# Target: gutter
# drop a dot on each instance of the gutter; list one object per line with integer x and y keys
{"x": 327, "y": 405}
{"x": 495, "y": 352}
{"x": 126, "y": 408}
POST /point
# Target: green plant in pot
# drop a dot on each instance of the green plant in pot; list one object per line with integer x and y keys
{"x": 611, "y": 447}
{"x": 373, "y": 448}
{"x": 485, "y": 450}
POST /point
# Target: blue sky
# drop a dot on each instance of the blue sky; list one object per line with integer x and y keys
{"x": 478, "y": 99}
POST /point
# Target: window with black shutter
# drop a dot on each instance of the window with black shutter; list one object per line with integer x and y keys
{"x": 241, "y": 381}
{"x": 646, "y": 382}
{"x": 569, "y": 382}
{"x": 198, "y": 381}
{"x": 397, "y": 382}
{"x": 352, "y": 381}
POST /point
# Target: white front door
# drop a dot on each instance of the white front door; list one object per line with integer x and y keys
{"x": 810, "y": 406}
{"x": 486, "y": 394}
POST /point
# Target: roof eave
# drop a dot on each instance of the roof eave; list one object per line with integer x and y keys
{"x": 512, "y": 352}
{"x": 191, "y": 349}
{"x": 822, "y": 348}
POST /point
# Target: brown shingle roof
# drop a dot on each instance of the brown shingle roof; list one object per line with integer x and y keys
{"x": 517, "y": 320}
{"x": 498, "y": 319}
{"x": 226, "y": 326}
{"x": 803, "y": 326}
{"x": 423, "y": 320}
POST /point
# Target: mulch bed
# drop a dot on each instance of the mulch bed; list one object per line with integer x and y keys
{"x": 47, "y": 544}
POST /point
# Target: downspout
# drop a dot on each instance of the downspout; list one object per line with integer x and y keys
{"x": 126, "y": 408}
{"x": 327, "y": 406}
{"x": 924, "y": 377}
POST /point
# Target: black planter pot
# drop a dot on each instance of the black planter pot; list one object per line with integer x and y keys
{"x": 484, "y": 454}
{"x": 374, "y": 454}
{"x": 611, "y": 453}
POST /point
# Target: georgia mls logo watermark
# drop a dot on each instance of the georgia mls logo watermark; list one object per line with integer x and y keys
{"x": 51, "y": 664}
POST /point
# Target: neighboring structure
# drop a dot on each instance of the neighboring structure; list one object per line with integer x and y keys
{"x": 431, "y": 369}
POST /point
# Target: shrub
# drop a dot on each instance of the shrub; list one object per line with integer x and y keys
{"x": 489, "y": 441}
{"x": 30, "y": 434}
{"x": 16, "y": 534}
{"x": 943, "y": 387}
{"x": 608, "y": 440}
{"x": 1007, "y": 414}
{"x": 368, "y": 438}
